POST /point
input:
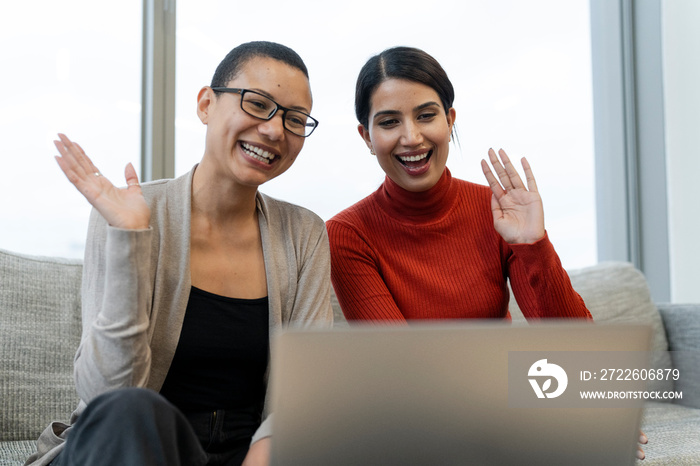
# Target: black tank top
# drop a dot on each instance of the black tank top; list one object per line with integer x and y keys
{"x": 222, "y": 355}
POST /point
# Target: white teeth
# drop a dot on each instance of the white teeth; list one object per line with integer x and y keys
{"x": 414, "y": 158}
{"x": 258, "y": 154}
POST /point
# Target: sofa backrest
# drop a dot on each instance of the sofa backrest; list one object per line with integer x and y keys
{"x": 39, "y": 333}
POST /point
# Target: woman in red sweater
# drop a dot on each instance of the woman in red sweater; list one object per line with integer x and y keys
{"x": 429, "y": 246}
{"x": 426, "y": 245}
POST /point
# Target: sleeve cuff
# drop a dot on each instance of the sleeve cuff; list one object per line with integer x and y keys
{"x": 265, "y": 430}
{"x": 541, "y": 251}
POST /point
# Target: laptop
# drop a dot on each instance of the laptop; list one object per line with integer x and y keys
{"x": 457, "y": 393}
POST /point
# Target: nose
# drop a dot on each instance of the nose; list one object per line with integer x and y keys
{"x": 412, "y": 135}
{"x": 273, "y": 128}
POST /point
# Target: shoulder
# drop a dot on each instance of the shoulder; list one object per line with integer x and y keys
{"x": 357, "y": 214}
{"x": 470, "y": 189}
{"x": 472, "y": 199}
{"x": 357, "y": 224}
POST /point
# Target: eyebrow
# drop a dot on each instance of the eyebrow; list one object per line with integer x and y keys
{"x": 269, "y": 96}
{"x": 415, "y": 109}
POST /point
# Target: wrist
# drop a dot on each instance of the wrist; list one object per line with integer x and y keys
{"x": 528, "y": 239}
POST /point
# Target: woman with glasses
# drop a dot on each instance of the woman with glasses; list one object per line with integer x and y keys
{"x": 426, "y": 245}
{"x": 185, "y": 279}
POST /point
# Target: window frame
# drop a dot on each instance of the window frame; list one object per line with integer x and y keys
{"x": 630, "y": 148}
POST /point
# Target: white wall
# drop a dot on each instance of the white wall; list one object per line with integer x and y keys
{"x": 681, "y": 44}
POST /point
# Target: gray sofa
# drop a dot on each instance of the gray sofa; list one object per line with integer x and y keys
{"x": 40, "y": 330}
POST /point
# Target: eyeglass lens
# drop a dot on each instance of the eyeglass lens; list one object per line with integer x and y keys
{"x": 260, "y": 106}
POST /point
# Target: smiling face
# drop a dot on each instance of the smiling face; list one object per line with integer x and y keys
{"x": 250, "y": 150}
{"x": 409, "y": 132}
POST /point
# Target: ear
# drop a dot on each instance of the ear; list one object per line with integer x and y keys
{"x": 451, "y": 116}
{"x": 205, "y": 100}
{"x": 364, "y": 132}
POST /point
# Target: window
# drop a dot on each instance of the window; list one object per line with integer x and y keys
{"x": 682, "y": 99}
{"x": 521, "y": 72}
{"x": 73, "y": 67}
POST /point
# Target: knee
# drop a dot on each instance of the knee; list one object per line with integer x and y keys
{"x": 124, "y": 402}
{"x": 130, "y": 426}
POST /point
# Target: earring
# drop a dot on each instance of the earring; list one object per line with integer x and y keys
{"x": 371, "y": 151}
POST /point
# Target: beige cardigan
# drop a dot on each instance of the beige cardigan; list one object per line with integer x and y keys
{"x": 136, "y": 286}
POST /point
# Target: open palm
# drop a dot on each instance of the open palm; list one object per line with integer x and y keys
{"x": 122, "y": 208}
{"x": 518, "y": 215}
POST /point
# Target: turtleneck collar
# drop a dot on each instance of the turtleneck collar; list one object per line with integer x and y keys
{"x": 418, "y": 207}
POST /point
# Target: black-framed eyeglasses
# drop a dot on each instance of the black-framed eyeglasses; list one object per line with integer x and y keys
{"x": 260, "y": 106}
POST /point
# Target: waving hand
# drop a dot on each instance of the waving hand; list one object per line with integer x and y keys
{"x": 518, "y": 215}
{"x": 122, "y": 208}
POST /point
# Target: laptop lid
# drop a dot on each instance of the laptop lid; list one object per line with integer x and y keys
{"x": 455, "y": 393}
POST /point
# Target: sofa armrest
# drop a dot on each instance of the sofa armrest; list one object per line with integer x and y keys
{"x": 682, "y": 324}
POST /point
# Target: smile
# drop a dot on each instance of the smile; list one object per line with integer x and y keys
{"x": 258, "y": 154}
{"x": 414, "y": 160}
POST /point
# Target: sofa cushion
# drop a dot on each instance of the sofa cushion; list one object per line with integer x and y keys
{"x": 616, "y": 292}
{"x": 682, "y": 322}
{"x": 15, "y": 453}
{"x": 40, "y": 328}
{"x": 674, "y": 435}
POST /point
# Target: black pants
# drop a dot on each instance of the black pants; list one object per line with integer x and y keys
{"x": 139, "y": 427}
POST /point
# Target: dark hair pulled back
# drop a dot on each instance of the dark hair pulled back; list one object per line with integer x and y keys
{"x": 407, "y": 63}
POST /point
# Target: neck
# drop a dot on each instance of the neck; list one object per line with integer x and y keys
{"x": 418, "y": 207}
{"x": 220, "y": 199}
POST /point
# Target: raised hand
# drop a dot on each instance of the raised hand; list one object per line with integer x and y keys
{"x": 122, "y": 208}
{"x": 517, "y": 210}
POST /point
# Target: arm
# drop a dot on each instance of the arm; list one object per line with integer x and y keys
{"x": 116, "y": 294}
{"x": 539, "y": 282}
{"x": 312, "y": 281}
{"x": 357, "y": 281}
{"x": 259, "y": 453}
{"x": 306, "y": 247}
{"x": 114, "y": 349}
{"x": 312, "y": 302}
{"x": 541, "y": 285}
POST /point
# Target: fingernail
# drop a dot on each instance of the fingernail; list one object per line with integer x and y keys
{"x": 643, "y": 438}
{"x": 640, "y": 454}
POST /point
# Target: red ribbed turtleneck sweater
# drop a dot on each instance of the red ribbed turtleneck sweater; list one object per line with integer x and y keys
{"x": 400, "y": 255}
